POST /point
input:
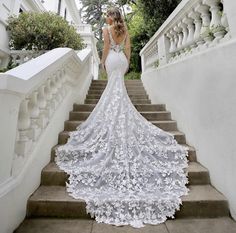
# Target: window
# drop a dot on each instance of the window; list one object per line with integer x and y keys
{"x": 65, "y": 13}
{"x": 59, "y": 7}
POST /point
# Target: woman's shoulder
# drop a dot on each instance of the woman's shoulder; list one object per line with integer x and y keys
{"x": 106, "y": 28}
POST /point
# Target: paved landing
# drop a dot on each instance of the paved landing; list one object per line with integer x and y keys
{"x": 206, "y": 225}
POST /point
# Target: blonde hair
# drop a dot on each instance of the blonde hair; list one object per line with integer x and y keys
{"x": 119, "y": 25}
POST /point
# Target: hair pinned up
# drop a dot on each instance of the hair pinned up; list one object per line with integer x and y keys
{"x": 118, "y": 22}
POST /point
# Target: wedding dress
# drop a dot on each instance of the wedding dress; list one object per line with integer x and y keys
{"x": 128, "y": 171}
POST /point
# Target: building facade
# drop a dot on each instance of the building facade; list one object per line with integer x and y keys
{"x": 66, "y": 8}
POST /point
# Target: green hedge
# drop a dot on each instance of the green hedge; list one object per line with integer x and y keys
{"x": 42, "y": 31}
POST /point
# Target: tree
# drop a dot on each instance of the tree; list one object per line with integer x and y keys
{"x": 93, "y": 14}
{"x": 42, "y": 31}
{"x": 156, "y": 12}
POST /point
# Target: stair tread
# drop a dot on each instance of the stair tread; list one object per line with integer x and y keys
{"x": 192, "y": 167}
{"x": 164, "y": 111}
{"x": 161, "y": 121}
{"x": 182, "y": 144}
{"x": 172, "y": 132}
{"x": 59, "y": 194}
{"x": 65, "y": 225}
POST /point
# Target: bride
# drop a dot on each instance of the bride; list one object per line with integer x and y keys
{"x": 128, "y": 171}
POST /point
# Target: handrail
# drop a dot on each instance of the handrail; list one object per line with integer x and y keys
{"x": 30, "y": 95}
{"x": 194, "y": 26}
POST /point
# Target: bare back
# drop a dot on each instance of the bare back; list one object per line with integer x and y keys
{"x": 118, "y": 40}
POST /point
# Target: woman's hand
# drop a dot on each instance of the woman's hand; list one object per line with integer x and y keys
{"x": 102, "y": 65}
{"x": 127, "y": 68}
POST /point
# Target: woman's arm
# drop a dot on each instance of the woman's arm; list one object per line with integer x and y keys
{"x": 127, "y": 47}
{"x": 106, "y": 45}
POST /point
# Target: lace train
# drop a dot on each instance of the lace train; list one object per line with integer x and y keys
{"x": 126, "y": 169}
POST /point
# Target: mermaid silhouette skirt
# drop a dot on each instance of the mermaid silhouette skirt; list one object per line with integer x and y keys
{"x": 128, "y": 171}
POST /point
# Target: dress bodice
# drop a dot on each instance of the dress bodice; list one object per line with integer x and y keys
{"x": 113, "y": 45}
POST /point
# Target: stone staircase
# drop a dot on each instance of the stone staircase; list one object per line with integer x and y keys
{"x": 51, "y": 200}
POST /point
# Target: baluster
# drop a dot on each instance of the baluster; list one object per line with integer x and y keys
{"x": 198, "y": 24}
{"x": 24, "y": 141}
{"x": 34, "y": 115}
{"x": 171, "y": 40}
{"x": 54, "y": 92}
{"x": 175, "y": 41}
{"x": 191, "y": 28}
{"x": 205, "y": 34}
{"x": 224, "y": 22}
{"x": 58, "y": 85}
{"x": 14, "y": 59}
{"x": 43, "y": 116}
{"x": 63, "y": 82}
{"x": 185, "y": 36}
{"x": 50, "y": 104}
{"x": 216, "y": 27}
{"x": 180, "y": 38}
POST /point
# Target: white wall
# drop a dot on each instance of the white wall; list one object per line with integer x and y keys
{"x": 7, "y": 8}
{"x": 20, "y": 174}
{"x": 200, "y": 93}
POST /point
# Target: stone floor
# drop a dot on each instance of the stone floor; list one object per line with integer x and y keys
{"x": 210, "y": 225}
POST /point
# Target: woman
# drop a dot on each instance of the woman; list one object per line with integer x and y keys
{"x": 128, "y": 171}
{"x": 116, "y": 38}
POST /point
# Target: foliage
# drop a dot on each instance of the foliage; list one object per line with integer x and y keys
{"x": 93, "y": 14}
{"x": 9, "y": 66}
{"x": 132, "y": 75}
{"x": 148, "y": 16}
{"x": 144, "y": 20}
{"x": 156, "y": 12}
{"x": 102, "y": 74}
{"x": 129, "y": 76}
{"x": 138, "y": 35}
{"x": 42, "y": 31}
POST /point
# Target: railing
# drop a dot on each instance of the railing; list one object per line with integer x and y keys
{"x": 84, "y": 28}
{"x": 32, "y": 92}
{"x": 195, "y": 50}
{"x": 194, "y": 26}
{"x": 21, "y": 56}
{"x": 85, "y": 31}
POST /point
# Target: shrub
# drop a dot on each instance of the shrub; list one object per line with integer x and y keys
{"x": 42, "y": 31}
{"x": 132, "y": 75}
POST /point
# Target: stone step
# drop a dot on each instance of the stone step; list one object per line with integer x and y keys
{"x": 126, "y": 81}
{"x": 54, "y": 201}
{"x": 128, "y": 88}
{"x": 133, "y": 98}
{"x": 130, "y": 92}
{"x": 139, "y": 107}
{"x": 69, "y": 225}
{"x": 191, "y": 153}
{"x": 136, "y": 101}
{"x": 92, "y": 96}
{"x": 155, "y": 115}
{"x": 52, "y": 175}
{"x": 165, "y": 125}
{"x": 179, "y": 137}
{"x": 126, "y": 84}
{"x": 56, "y": 225}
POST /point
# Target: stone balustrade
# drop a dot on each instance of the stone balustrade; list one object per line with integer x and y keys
{"x": 32, "y": 93}
{"x": 150, "y": 56}
{"x": 21, "y": 56}
{"x": 84, "y": 28}
{"x": 196, "y": 80}
{"x": 194, "y": 26}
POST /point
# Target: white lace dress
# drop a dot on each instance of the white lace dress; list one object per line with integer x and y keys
{"x": 128, "y": 171}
